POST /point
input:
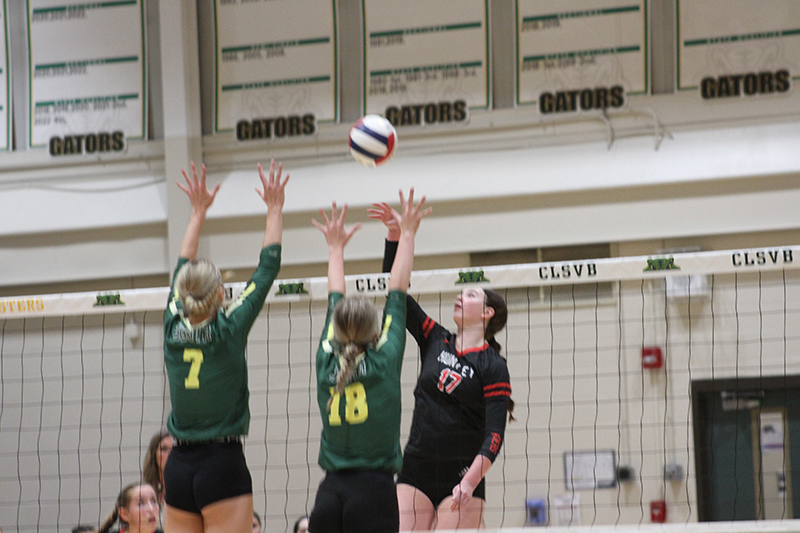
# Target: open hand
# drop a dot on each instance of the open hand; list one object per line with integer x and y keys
{"x": 200, "y": 197}
{"x": 272, "y": 189}
{"x": 383, "y": 212}
{"x": 412, "y": 214}
{"x": 335, "y": 233}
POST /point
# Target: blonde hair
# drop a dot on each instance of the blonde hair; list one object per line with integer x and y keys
{"x": 198, "y": 283}
{"x": 355, "y": 325}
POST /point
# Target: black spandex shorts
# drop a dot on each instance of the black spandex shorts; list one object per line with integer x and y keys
{"x": 197, "y": 475}
{"x": 356, "y": 501}
{"x": 436, "y": 478}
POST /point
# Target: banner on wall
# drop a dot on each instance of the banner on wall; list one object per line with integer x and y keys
{"x": 276, "y": 72}
{"x": 5, "y": 82}
{"x": 87, "y": 75}
{"x": 580, "y": 55}
{"x": 738, "y": 48}
{"x": 426, "y": 62}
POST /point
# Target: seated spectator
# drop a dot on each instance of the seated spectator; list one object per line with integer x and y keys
{"x": 136, "y": 510}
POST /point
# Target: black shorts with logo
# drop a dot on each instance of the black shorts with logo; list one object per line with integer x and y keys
{"x": 436, "y": 478}
{"x": 200, "y": 474}
{"x": 356, "y": 501}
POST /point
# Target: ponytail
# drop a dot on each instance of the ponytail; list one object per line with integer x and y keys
{"x": 109, "y": 522}
{"x": 355, "y": 326}
{"x": 494, "y": 344}
{"x": 493, "y": 326}
{"x": 348, "y": 367}
{"x": 498, "y": 319}
{"x": 123, "y": 500}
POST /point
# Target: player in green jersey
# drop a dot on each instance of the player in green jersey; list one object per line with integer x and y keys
{"x": 358, "y": 388}
{"x": 208, "y": 488}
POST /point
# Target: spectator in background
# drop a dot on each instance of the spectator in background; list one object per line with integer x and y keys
{"x": 154, "y": 461}
{"x": 136, "y": 510}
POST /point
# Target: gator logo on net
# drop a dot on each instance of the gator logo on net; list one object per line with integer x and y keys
{"x": 474, "y": 276}
{"x": 108, "y": 299}
{"x": 661, "y": 263}
{"x": 287, "y": 289}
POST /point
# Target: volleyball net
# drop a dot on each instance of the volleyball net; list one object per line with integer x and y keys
{"x": 646, "y": 388}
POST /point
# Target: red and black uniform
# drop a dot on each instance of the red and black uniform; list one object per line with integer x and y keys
{"x": 460, "y": 405}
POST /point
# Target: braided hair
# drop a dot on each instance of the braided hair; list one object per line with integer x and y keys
{"x": 355, "y": 326}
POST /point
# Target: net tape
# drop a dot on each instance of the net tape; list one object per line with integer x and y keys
{"x": 434, "y": 281}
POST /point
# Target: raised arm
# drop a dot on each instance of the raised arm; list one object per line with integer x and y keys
{"x": 201, "y": 199}
{"x": 408, "y": 223}
{"x": 384, "y": 212}
{"x": 416, "y": 318}
{"x": 272, "y": 192}
{"x": 336, "y": 237}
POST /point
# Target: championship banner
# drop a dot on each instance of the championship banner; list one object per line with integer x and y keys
{"x": 87, "y": 75}
{"x": 581, "y": 55}
{"x": 738, "y": 48}
{"x": 276, "y": 71}
{"x": 664, "y": 266}
{"x": 426, "y": 62}
{"x": 5, "y": 81}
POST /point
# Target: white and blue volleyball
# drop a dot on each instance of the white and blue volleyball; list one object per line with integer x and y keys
{"x": 372, "y": 140}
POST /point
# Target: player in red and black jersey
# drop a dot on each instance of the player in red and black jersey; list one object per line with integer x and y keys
{"x": 460, "y": 404}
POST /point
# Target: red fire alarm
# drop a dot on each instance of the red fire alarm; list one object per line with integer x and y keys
{"x": 652, "y": 357}
{"x": 658, "y": 511}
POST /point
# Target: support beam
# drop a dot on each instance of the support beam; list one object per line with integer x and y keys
{"x": 182, "y": 115}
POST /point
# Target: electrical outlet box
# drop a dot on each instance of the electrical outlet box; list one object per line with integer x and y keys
{"x": 673, "y": 472}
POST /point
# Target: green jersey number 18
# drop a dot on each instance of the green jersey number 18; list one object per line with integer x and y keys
{"x": 355, "y": 405}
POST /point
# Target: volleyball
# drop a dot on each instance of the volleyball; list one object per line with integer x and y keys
{"x": 373, "y": 140}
